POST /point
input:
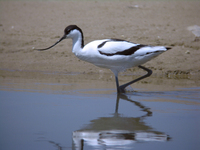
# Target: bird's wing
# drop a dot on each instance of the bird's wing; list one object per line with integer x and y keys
{"x": 111, "y": 47}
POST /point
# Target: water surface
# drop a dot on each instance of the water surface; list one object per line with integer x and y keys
{"x": 44, "y": 115}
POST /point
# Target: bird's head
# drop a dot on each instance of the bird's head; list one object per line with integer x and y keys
{"x": 70, "y": 31}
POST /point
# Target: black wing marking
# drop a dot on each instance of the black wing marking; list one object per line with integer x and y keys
{"x": 153, "y": 52}
{"x": 103, "y": 43}
{"x": 126, "y": 52}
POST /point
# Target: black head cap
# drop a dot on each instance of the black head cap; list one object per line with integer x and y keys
{"x": 70, "y": 28}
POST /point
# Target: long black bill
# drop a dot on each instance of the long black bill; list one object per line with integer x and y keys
{"x": 62, "y": 38}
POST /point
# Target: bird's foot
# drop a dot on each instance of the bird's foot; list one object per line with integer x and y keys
{"x": 121, "y": 89}
{"x": 125, "y": 89}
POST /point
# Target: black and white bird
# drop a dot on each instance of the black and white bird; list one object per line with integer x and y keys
{"x": 114, "y": 54}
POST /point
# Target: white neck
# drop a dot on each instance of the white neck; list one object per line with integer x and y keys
{"x": 77, "y": 39}
{"x": 76, "y": 45}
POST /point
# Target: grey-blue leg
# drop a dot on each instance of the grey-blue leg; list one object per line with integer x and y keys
{"x": 117, "y": 84}
{"x": 121, "y": 89}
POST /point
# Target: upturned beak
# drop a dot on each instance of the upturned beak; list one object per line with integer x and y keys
{"x": 62, "y": 38}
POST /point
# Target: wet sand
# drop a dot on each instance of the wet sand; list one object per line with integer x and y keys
{"x": 28, "y": 25}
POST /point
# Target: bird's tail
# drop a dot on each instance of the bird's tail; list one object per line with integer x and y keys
{"x": 168, "y": 48}
{"x": 159, "y": 49}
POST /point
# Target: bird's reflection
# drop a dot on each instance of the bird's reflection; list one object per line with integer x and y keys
{"x": 117, "y": 131}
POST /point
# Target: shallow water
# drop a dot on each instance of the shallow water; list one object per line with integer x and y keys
{"x": 54, "y": 115}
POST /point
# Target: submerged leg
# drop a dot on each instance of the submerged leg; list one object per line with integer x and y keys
{"x": 122, "y": 87}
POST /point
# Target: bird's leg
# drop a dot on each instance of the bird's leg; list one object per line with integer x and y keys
{"x": 117, "y": 84}
{"x": 122, "y": 87}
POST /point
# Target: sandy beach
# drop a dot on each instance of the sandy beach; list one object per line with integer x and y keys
{"x": 26, "y": 25}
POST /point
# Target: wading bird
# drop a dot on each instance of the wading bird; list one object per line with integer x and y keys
{"x": 114, "y": 54}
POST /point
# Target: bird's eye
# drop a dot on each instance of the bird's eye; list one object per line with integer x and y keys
{"x": 67, "y": 31}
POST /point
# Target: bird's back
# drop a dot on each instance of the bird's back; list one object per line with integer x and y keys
{"x": 118, "y": 54}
